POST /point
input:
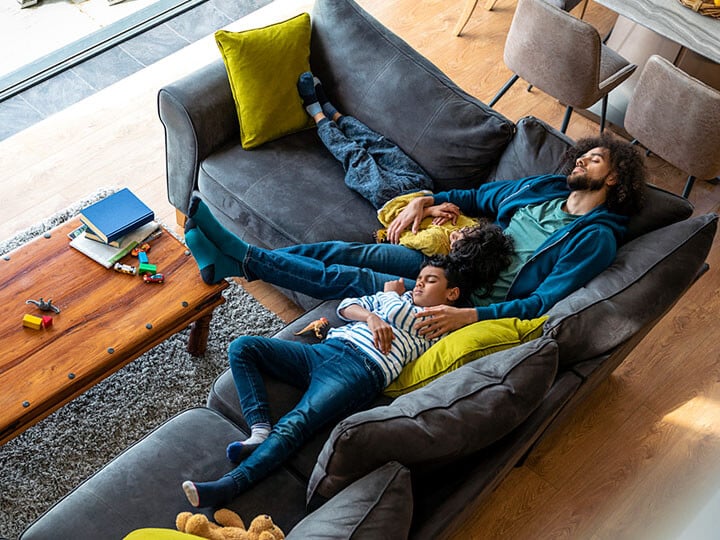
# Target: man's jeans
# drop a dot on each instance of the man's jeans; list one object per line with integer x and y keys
{"x": 338, "y": 379}
{"x": 374, "y": 166}
{"x": 329, "y": 270}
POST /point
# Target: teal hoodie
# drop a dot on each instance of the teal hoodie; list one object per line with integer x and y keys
{"x": 566, "y": 261}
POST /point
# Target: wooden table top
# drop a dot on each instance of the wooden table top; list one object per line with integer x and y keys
{"x": 671, "y": 19}
{"x": 107, "y": 319}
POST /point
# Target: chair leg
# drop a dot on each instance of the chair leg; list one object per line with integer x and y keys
{"x": 465, "y": 16}
{"x": 530, "y": 87}
{"x": 489, "y": 4}
{"x": 582, "y": 13}
{"x": 566, "y": 119}
{"x": 504, "y": 89}
{"x": 603, "y": 113}
{"x": 688, "y": 186}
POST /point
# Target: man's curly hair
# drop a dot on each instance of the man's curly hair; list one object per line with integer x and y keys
{"x": 628, "y": 195}
{"x": 476, "y": 260}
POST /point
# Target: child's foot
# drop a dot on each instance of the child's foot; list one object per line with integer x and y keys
{"x": 237, "y": 451}
{"x": 224, "y": 240}
{"x": 306, "y": 89}
{"x": 214, "y": 265}
{"x": 327, "y": 107}
{"x": 217, "y": 493}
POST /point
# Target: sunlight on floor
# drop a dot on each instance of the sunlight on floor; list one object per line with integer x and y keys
{"x": 27, "y": 34}
{"x": 699, "y": 414}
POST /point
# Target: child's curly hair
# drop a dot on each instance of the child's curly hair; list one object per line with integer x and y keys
{"x": 478, "y": 258}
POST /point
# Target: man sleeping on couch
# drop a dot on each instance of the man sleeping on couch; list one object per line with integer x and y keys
{"x": 565, "y": 228}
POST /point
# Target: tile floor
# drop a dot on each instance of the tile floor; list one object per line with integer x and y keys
{"x": 72, "y": 85}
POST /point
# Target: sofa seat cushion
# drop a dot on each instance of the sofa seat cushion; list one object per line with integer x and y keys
{"x": 285, "y": 192}
{"x": 455, "y": 415}
{"x": 142, "y": 486}
{"x": 648, "y": 276}
{"x": 397, "y": 92}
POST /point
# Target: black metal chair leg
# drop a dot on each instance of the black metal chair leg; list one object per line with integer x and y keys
{"x": 688, "y": 186}
{"x": 566, "y": 119}
{"x": 504, "y": 89}
{"x": 603, "y": 113}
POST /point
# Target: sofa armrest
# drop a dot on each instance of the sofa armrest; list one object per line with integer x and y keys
{"x": 198, "y": 114}
{"x": 454, "y": 416}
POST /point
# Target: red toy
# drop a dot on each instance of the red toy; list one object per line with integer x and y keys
{"x": 153, "y": 278}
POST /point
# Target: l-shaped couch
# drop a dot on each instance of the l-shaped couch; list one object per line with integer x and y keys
{"x": 404, "y": 467}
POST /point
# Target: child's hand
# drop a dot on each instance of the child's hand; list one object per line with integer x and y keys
{"x": 442, "y": 213}
{"x": 382, "y": 333}
{"x": 397, "y": 285}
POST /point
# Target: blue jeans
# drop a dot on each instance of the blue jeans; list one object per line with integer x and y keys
{"x": 328, "y": 270}
{"x": 374, "y": 166}
{"x": 338, "y": 380}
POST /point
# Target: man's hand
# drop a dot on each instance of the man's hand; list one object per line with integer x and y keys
{"x": 382, "y": 333}
{"x": 442, "y": 213}
{"x": 438, "y": 320}
{"x": 410, "y": 216}
{"x": 397, "y": 285}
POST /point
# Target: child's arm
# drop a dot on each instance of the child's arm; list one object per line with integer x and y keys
{"x": 382, "y": 331}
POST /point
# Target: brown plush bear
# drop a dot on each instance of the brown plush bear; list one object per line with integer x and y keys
{"x": 229, "y": 526}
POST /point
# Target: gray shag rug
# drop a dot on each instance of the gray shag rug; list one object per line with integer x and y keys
{"x": 48, "y": 460}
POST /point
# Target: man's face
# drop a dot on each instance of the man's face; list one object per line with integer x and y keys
{"x": 431, "y": 288}
{"x": 591, "y": 172}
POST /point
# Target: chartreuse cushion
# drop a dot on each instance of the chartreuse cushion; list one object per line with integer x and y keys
{"x": 462, "y": 346}
{"x": 263, "y": 66}
{"x": 151, "y": 533}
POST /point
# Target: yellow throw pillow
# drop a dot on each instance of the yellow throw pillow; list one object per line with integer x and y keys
{"x": 151, "y": 533}
{"x": 462, "y": 346}
{"x": 263, "y": 67}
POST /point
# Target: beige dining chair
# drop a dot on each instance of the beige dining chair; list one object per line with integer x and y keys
{"x": 676, "y": 117}
{"x": 470, "y": 5}
{"x": 563, "y": 56}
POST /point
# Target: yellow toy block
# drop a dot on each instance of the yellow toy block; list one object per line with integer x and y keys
{"x": 31, "y": 321}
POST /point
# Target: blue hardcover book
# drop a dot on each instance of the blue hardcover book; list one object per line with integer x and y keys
{"x": 116, "y": 215}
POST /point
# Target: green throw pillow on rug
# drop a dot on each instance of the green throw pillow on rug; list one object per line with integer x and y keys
{"x": 263, "y": 66}
{"x": 462, "y": 346}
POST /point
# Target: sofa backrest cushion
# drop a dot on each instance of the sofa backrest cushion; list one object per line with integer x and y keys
{"x": 378, "y": 505}
{"x": 536, "y": 148}
{"x": 455, "y": 415}
{"x": 648, "y": 276}
{"x": 375, "y": 76}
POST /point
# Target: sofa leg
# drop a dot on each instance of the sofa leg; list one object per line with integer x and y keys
{"x": 180, "y": 218}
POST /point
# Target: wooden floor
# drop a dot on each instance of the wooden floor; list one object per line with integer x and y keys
{"x": 639, "y": 460}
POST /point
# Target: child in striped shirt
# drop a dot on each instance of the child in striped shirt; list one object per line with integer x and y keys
{"x": 340, "y": 375}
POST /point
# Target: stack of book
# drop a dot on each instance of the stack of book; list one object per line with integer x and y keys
{"x": 112, "y": 227}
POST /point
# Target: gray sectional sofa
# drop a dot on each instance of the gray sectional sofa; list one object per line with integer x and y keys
{"x": 405, "y": 467}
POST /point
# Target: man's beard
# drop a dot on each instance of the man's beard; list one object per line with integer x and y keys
{"x": 581, "y": 182}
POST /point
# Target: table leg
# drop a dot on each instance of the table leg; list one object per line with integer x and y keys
{"x": 199, "y": 332}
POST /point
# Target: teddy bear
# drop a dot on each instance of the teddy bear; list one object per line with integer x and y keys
{"x": 229, "y": 526}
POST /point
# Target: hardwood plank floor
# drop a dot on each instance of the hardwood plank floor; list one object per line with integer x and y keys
{"x": 638, "y": 460}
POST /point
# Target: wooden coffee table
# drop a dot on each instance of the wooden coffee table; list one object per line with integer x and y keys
{"x": 107, "y": 319}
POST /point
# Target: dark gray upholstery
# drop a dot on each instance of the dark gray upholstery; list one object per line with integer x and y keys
{"x": 378, "y": 506}
{"x": 455, "y": 415}
{"x": 460, "y": 435}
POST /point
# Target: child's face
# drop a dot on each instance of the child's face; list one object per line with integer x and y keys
{"x": 457, "y": 235}
{"x": 431, "y": 288}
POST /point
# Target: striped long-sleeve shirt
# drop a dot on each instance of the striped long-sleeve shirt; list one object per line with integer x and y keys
{"x": 398, "y": 311}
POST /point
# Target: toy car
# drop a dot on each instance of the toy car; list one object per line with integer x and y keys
{"x": 153, "y": 278}
{"x": 125, "y": 269}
